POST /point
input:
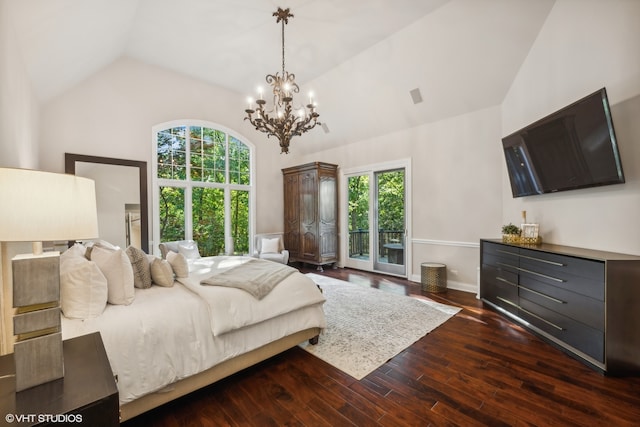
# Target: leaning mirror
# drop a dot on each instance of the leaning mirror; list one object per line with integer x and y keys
{"x": 121, "y": 197}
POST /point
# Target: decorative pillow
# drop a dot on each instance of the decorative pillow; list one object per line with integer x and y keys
{"x": 161, "y": 272}
{"x": 270, "y": 245}
{"x": 179, "y": 264}
{"x": 98, "y": 244}
{"x": 83, "y": 287}
{"x": 78, "y": 250}
{"x": 116, "y": 267}
{"x": 189, "y": 250}
{"x": 166, "y": 247}
{"x": 141, "y": 269}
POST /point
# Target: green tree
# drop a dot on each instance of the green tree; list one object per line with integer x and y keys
{"x": 210, "y": 154}
{"x": 391, "y": 200}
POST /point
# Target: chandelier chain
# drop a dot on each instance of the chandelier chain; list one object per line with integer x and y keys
{"x": 283, "y": 21}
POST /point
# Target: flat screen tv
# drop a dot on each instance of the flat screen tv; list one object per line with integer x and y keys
{"x": 572, "y": 148}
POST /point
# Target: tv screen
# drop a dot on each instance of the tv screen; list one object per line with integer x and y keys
{"x": 572, "y": 148}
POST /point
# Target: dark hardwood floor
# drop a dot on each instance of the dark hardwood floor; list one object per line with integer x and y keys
{"x": 477, "y": 369}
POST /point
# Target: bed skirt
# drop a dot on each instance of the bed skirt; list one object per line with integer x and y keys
{"x": 213, "y": 374}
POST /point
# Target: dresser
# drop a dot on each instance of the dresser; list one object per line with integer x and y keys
{"x": 311, "y": 213}
{"x": 586, "y": 302}
{"x": 87, "y": 395}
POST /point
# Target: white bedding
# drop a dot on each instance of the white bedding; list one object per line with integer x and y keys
{"x": 232, "y": 308}
{"x": 165, "y": 335}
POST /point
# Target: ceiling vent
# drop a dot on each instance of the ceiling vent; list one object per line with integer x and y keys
{"x": 416, "y": 95}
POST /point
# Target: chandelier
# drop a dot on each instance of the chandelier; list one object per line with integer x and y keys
{"x": 282, "y": 120}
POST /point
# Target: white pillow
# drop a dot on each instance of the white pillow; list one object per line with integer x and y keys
{"x": 189, "y": 250}
{"x": 83, "y": 288}
{"x": 161, "y": 272}
{"x": 178, "y": 263}
{"x": 102, "y": 243}
{"x": 77, "y": 250}
{"x": 271, "y": 245}
{"x": 116, "y": 267}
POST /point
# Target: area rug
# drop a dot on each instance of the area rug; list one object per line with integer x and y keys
{"x": 366, "y": 327}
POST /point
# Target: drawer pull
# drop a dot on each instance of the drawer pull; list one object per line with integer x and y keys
{"x": 558, "y": 264}
{"x": 508, "y": 302}
{"x": 506, "y": 252}
{"x": 506, "y": 281}
{"x": 541, "y": 275}
{"x": 544, "y": 320}
{"x": 559, "y": 301}
{"x": 502, "y": 264}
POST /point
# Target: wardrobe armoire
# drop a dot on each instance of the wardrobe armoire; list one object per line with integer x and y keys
{"x": 311, "y": 213}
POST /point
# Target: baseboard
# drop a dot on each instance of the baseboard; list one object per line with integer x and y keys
{"x": 452, "y": 284}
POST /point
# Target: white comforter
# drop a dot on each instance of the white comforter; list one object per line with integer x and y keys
{"x": 232, "y": 308}
{"x": 165, "y": 335}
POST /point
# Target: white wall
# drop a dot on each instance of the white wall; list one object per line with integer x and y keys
{"x": 111, "y": 114}
{"x": 460, "y": 187}
{"x": 583, "y": 46}
{"x": 18, "y": 105}
{"x": 456, "y": 179}
{"x": 18, "y": 148}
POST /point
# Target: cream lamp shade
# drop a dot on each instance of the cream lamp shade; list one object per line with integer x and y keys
{"x": 38, "y": 206}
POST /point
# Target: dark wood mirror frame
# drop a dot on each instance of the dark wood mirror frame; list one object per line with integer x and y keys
{"x": 70, "y": 160}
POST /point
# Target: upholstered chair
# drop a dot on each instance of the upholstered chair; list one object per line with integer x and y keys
{"x": 189, "y": 248}
{"x": 271, "y": 247}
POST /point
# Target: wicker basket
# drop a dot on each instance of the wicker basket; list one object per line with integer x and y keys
{"x": 433, "y": 277}
{"x": 530, "y": 240}
{"x": 511, "y": 238}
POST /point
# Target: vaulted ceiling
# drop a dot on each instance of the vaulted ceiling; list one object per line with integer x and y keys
{"x": 361, "y": 56}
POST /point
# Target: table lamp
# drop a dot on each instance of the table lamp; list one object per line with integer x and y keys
{"x": 38, "y": 206}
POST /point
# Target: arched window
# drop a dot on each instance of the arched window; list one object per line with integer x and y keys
{"x": 203, "y": 176}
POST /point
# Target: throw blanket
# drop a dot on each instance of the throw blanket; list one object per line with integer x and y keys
{"x": 257, "y": 277}
{"x": 232, "y": 308}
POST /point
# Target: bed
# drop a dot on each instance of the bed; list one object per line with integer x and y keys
{"x": 170, "y": 341}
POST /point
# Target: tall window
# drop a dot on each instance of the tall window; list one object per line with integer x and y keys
{"x": 203, "y": 187}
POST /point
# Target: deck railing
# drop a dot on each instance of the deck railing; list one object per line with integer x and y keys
{"x": 359, "y": 241}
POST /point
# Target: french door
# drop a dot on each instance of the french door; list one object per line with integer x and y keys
{"x": 376, "y": 220}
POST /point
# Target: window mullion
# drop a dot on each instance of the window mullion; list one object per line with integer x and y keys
{"x": 188, "y": 194}
{"x": 227, "y": 200}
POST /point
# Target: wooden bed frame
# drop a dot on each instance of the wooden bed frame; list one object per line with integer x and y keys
{"x": 215, "y": 373}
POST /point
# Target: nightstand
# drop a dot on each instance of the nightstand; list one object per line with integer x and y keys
{"x": 87, "y": 395}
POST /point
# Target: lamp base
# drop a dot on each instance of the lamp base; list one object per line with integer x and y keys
{"x": 38, "y": 360}
{"x": 36, "y": 294}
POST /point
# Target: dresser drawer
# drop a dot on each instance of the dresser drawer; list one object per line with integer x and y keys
{"x": 498, "y": 290}
{"x": 509, "y": 252}
{"x": 510, "y": 264}
{"x": 578, "y": 335}
{"x": 568, "y": 277}
{"x": 581, "y": 308}
{"x": 565, "y": 268}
